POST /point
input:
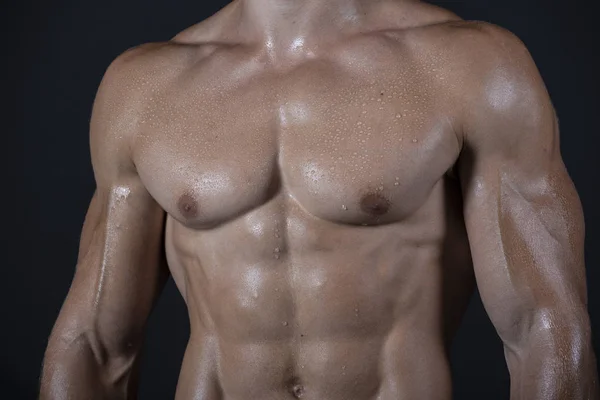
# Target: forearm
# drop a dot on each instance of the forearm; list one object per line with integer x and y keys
{"x": 554, "y": 360}
{"x": 81, "y": 368}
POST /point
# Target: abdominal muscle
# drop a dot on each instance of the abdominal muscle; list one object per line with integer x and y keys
{"x": 400, "y": 365}
{"x": 332, "y": 313}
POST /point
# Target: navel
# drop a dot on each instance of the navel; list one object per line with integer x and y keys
{"x": 296, "y": 388}
{"x": 187, "y": 205}
{"x": 374, "y": 204}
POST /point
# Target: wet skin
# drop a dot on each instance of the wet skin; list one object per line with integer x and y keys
{"x": 325, "y": 204}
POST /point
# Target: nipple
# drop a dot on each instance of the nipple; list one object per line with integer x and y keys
{"x": 188, "y": 206}
{"x": 375, "y": 204}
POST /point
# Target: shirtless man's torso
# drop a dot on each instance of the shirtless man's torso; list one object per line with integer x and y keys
{"x": 326, "y": 181}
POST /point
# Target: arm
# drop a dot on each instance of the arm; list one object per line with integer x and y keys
{"x": 93, "y": 349}
{"x": 525, "y": 226}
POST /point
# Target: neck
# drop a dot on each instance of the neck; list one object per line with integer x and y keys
{"x": 293, "y": 26}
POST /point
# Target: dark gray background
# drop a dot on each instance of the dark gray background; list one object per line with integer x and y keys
{"x": 54, "y": 54}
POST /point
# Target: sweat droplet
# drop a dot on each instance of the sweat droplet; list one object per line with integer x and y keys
{"x": 415, "y": 140}
{"x": 344, "y": 207}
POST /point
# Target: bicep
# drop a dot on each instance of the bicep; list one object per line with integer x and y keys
{"x": 120, "y": 267}
{"x": 522, "y": 212}
{"x": 119, "y": 272}
{"x": 526, "y": 237}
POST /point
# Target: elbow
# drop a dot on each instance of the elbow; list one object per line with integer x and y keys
{"x": 114, "y": 353}
{"x": 553, "y": 357}
{"x": 567, "y": 335}
{"x": 576, "y": 349}
{"x": 110, "y": 358}
{"x": 560, "y": 338}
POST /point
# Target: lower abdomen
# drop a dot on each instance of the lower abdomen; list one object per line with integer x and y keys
{"x": 400, "y": 365}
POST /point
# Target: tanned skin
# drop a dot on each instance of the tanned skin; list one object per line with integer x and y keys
{"x": 326, "y": 182}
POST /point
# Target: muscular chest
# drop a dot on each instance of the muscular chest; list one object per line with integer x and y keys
{"x": 348, "y": 147}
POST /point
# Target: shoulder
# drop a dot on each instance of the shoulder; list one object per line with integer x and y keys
{"x": 158, "y": 61}
{"x": 492, "y": 75}
{"x": 483, "y": 46}
{"x": 127, "y": 86}
{"x": 136, "y": 76}
{"x": 488, "y": 53}
{"x": 476, "y": 46}
{"x": 471, "y": 51}
{"x": 505, "y": 107}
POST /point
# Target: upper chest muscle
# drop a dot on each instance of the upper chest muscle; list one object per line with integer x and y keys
{"x": 350, "y": 144}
